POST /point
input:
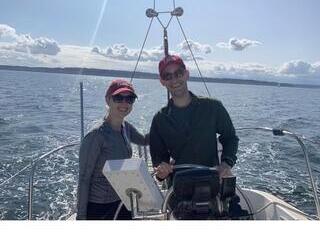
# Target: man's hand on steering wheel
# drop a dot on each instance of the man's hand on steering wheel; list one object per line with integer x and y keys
{"x": 163, "y": 170}
{"x": 224, "y": 170}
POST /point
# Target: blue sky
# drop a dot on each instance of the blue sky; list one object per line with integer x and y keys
{"x": 273, "y": 40}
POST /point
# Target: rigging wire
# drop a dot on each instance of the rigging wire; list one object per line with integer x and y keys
{"x": 195, "y": 61}
{"x": 140, "y": 53}
{"x": 165, "y": 27}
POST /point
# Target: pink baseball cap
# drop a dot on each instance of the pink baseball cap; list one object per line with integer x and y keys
{"x": 170, "y": 59}
{"x": 119, "y": 86}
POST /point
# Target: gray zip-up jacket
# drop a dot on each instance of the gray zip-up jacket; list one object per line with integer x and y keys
{"x": 98, "y": 146}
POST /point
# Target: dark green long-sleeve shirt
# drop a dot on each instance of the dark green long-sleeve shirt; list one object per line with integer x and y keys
{"x": 188, "y": 135}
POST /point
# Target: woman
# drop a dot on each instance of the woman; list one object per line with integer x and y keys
{"x": 111, "y": 140}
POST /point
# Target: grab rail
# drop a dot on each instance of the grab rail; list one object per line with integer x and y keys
{"x": 282, "y": 132}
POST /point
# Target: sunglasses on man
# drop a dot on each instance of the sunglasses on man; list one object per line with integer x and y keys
{"x": 177, "y": 74}
{"x": 120, "y": 98}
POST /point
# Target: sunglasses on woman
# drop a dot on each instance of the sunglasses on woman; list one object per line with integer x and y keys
{"x": 120, "y": 98}
{"x": 177, "y": 74}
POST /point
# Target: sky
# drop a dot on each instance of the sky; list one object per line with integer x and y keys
{"x": 270, "y": 40}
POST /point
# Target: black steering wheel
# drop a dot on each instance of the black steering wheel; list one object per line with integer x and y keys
{"x": 178, "y": 168}
{"x": 181, "y": 167}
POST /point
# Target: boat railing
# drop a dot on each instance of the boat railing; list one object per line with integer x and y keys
{"x": 276, "y": 132}
{"x": 32, "y": 166}
{"x": 142, "y": 153}
{"x": 283, "y": 132}
{"x": 32, "y": 171}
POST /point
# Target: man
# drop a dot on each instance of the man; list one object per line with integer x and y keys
{"x": 185, "y": 130}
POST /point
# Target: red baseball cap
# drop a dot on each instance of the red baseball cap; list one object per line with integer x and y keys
{"x": 119, "y": 86}
{"x": 170, "y": 59}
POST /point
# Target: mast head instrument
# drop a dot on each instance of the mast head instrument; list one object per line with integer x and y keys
{"x": 177, "y": 12}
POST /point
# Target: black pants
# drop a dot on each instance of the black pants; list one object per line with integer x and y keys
{"x": 99, "y": 211}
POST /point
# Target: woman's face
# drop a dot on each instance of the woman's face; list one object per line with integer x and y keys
{"x": 120, "y": 105}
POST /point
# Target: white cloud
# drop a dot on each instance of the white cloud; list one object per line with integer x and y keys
{"x": 7, "y": 31}
{"x": 19, "y": 58}
{"x": 296, "y": 67}
{"x": 40, "y": 45}
{"x": 122, "y": 52}
{"x": 28, "y": 51}
{"x": 316, "y": 68}
{"x": 26, "y": 44}
{"x": 186, "y": 56}
{"x": 238, "y": 44}
{"x": 74, "y": 56}
{"x": 301, "y": 69}
{"x": 195, "y": 46}
{"x": 251, "y": 71}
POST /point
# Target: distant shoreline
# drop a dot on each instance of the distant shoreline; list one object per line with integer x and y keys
{"x": 145, "y": 75}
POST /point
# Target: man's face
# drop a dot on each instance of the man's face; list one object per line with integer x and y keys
{"x": 174, "y": 78}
